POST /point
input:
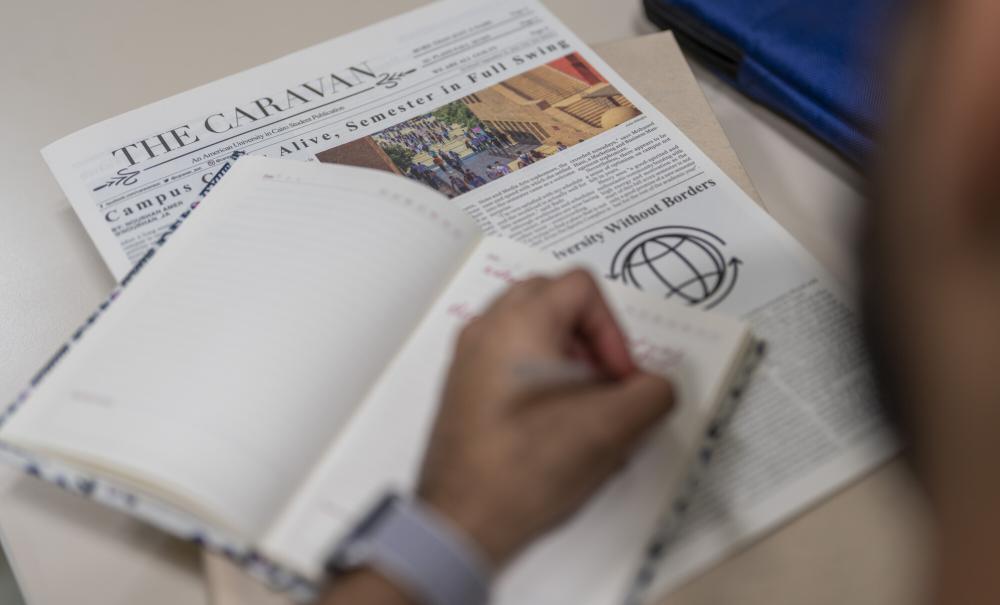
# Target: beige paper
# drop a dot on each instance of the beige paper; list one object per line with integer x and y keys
{"x": 655, "y": 66}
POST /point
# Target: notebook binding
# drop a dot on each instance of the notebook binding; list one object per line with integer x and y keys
{"x": 669, "y": 528}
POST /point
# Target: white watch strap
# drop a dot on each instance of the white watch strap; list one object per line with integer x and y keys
{"x": 424, "y": 553}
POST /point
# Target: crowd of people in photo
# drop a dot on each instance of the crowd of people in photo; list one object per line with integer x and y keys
{"x": 448, "y": 170}
{"x": 418, "y": 134}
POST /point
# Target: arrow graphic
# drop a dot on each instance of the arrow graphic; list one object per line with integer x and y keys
{"x": 735, "y": 264}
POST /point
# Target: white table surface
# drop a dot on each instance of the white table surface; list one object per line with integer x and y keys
{"x": 66, "y": 64}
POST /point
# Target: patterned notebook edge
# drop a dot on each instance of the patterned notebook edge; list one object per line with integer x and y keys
{"x": 143, "y": 507}
{"x": 667, "y": 530}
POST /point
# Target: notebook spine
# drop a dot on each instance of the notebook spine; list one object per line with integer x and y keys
{"x": 669, "y": 528}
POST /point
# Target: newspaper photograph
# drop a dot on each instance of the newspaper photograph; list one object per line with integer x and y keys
{"x": 501, "y": 108}
{"x": 465, "y": 144}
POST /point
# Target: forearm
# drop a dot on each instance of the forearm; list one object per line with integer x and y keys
{"x": 365, "y": 587}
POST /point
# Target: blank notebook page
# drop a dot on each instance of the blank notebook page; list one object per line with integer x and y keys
{"x": 229, "y": 363}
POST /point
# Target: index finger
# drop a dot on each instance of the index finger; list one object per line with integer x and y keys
{"x": 576, "y": 307}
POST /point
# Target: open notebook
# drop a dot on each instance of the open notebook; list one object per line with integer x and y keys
{"x": 275, "y": 367}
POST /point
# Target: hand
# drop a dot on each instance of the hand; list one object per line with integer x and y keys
{"x": 543, "y": 403}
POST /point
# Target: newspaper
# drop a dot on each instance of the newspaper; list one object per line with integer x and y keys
{"x": 500, "y": 107}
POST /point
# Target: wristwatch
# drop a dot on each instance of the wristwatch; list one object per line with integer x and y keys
{"x": 419, "y": 550}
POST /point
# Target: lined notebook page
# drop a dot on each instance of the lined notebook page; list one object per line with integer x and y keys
{"x": 592, "y": 559}
{"x": 230, "y": 362}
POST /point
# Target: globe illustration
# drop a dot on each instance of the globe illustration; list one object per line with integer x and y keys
{"x": 678, "y": 262}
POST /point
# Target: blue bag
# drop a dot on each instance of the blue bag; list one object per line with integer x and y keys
{"x": 810, "y": 60}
